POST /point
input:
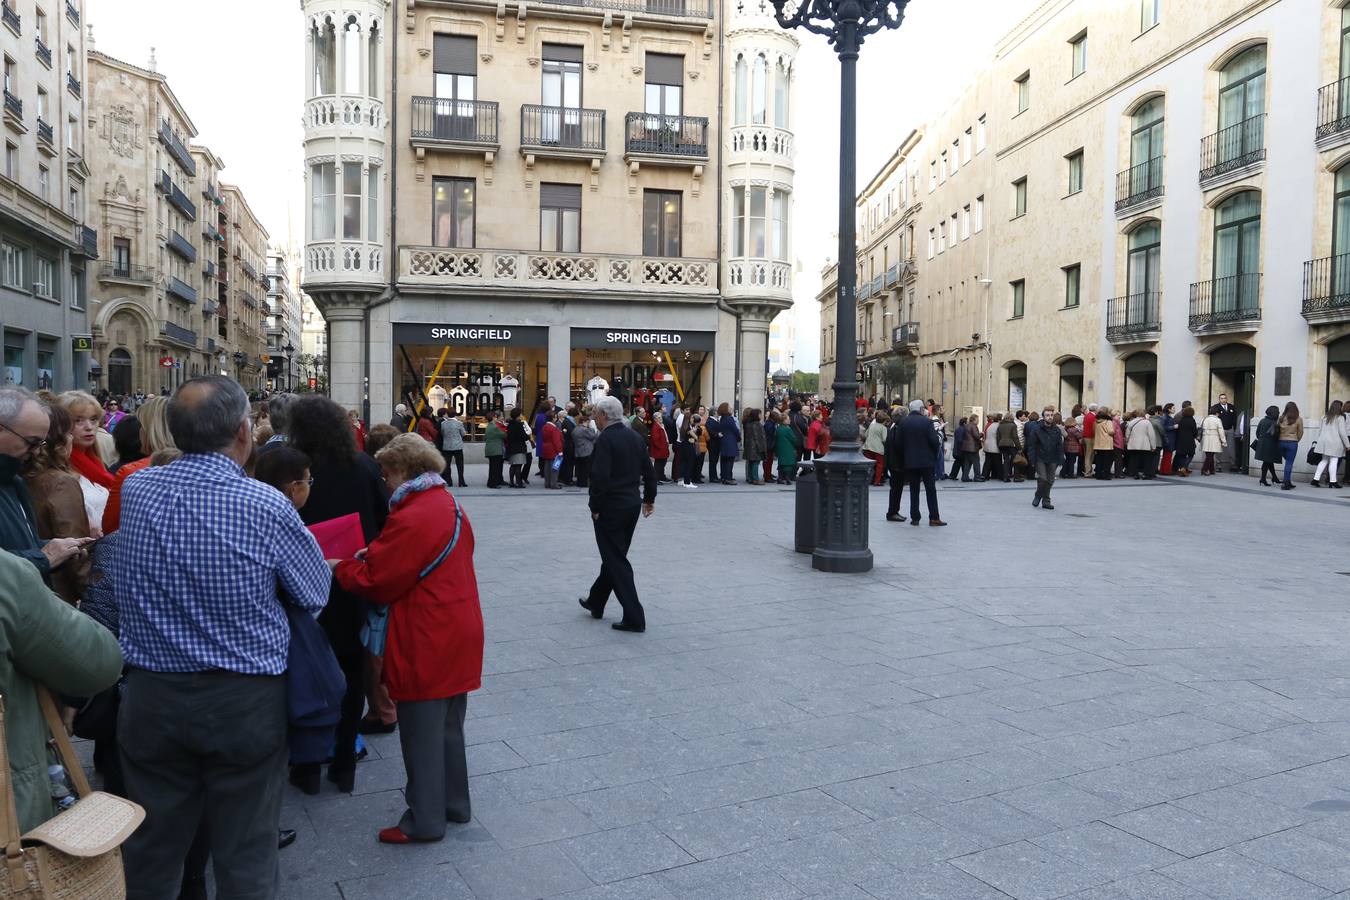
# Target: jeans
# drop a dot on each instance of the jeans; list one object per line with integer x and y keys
{"x": 1009, "y": 454}
{"x": 1289, "y": 452}
{"x": 938, "y": 474}
{"x": 1045, "y": 479}
{"x": 970, "y": 465}
{"x": 752, "y": 470}
{"x": 1182, "y": 461}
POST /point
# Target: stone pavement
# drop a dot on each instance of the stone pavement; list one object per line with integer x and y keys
{"x": 1143, "y": 694}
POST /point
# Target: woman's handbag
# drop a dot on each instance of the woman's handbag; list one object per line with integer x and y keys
{"x": 76, "y": 855}
{"x": 1313, "y": 456}
{"x": 1020, "y": 459}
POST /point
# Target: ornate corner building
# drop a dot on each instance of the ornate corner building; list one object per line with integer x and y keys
{"x": 542, "y": 199}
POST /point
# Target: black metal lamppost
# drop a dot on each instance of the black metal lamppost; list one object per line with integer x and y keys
{"x": 844, "y": 474}
{"x": 290, "y": 376}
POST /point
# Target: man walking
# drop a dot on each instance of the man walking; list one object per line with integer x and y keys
{"x": 619, "y": 464}
{"x": 206, "y": 556}
{"x": 921, "y": 448}
{"x": 1045, "y": 452}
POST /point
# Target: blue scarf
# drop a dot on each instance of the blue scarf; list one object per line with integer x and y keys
{"x": 425, "y": 482}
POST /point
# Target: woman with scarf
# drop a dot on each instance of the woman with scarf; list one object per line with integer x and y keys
{"x": 86, "y": 417}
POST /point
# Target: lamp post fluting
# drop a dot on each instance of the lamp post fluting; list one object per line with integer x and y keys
{"x": 844, "y": 474}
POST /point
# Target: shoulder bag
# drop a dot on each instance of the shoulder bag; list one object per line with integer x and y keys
{"x": 1313, "y": 456}
{"x": 376, "y": 628}
{"x": 76, "y": 855}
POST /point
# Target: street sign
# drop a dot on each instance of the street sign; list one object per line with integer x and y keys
{"x": 82, "y": 343}
{"x": 166, "y": 362}
{"x": 313, "y": 383}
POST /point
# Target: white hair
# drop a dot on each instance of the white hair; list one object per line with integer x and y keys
{"x": 916, "y": 406}
{"x": 13, "y": 399}
{"x": 610, "y": 408}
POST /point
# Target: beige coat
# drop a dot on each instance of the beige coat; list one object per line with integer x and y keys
{"x": 1103, "y": 438}
{"x": 1212, "y": 438}
{"x": 1332, "y": 439}
{"x": 1139, "y": 435}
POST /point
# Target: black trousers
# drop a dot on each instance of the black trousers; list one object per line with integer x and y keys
{"x": 728, "y": 468}
{"x": 660, "y": 468}
{"x": 495, "y": 470}
{"x": 713, "y": 459}
{"x": 1009, "y": 454}
{"x": 568, "y": 473}
{"x": 455, "y": 458}
{"x": 897, "y": 490}
{"x": 929, "y": 479}
{"x": 583, "y": 471}
{"x": 613, "y": 536}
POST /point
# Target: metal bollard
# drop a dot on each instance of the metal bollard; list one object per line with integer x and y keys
{"x": 808, "y": 491}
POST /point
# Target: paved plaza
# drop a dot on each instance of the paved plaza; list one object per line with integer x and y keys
{"x": 1143, "y": 694}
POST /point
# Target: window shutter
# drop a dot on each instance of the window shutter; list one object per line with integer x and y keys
{"x": 455, "y": 54}
{"x": 562, "y": 53}
{"x": 560, "y": 196}
{"x": 662, "y": 68}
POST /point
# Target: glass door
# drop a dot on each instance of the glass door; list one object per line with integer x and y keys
{"x": 1141, "y": 274}
{"x": 1340, "y": 240}
{"x": 455, "y": 116}
{"x": 1242, "y": 101}
{"x": 1237, "y": 253}
{"x": 561, "y": 122}
{"x": 1146, "y": 148}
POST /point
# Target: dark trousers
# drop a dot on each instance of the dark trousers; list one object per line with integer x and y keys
{"x": 1102, "y": 459}
{"x": 897, "y": 490}
{"x": 712, "y": 466}
{"x": 1009, "y": 454}
{"x": 1182, "y": 461}
{"x": 728, "y": 468}
{"x": 993, "y": 465}
{"x": 494, "y": 470}
{"x": 687, "y": 466}
{"x": 1208, "y": 467}
{"x": 569, "y": 466}
{"x": 697, "y": 468}
{"x": 1268, "y": 471}
{"x": 583, "y": 471}
{"x": 613, "y": 536}
{"x": 929, "y": 479}
{"x": 431, "y": 733}
{"x": 455, "y": 458}
{"x": 1135, "y": 463}
{"x": 970, "y": 464}
{"x": 204, "y": 747}
{"x": 660, "y": 468}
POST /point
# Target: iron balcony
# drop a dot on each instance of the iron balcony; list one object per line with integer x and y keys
{"x": 182, "y": 203}
{"x": 1326, "y": 289}
{"x": 11, "y": 18}
{"x": 670, "y": 137}
{"x": 182, "y": 246}
{"x": 139, "y": 274}
{"x": 1139, "y": 184}
{"x": 72, "y": 12}
{"x": 44, "y": 53}
{"x": 1134, "y": 317}
{"x": 183, "y": 291}
{"x": 1231, "y": 303}
{"x": 180, "y": 334}
{"x": 1333, "y": 108}
{"x": 176, "y": 147}
{"x": 88, "y": 242}
{"x": 470, "y": 124}
{"x": 73, "y": 84}
{"x": 1235, "y": 147}
{"x": 560, "y": 128}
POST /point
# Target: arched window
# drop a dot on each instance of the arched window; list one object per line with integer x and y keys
{"x": 1145, "y": 259}
{"x": 325, "y": 58}
{"x": 1340, "y": 235}
{"x": 1146, "y": 147}
{"x": 1237, "y": 252}
{"x": 352, "y": 55}
{"x": 1242, "y": 104}
{"x": 373, "y": 62}
{"x": 780, "y": 95}
{"x": 742, "y": 97}
{"x": 758, "y": 85}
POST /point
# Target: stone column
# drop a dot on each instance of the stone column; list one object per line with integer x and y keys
{"x": 752, "y": 367}
{"x": 345, "y": 373}
{"x": 559, "y": 366}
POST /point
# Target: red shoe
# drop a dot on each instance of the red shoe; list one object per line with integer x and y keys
{"x": 395, "y": 835}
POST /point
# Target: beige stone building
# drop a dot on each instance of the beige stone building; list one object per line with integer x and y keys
{"x": 182, "y": 251}
{"x": 1161, "y": 189}
{"x": 46, "y": 244}
{"x": 539, "y": 208}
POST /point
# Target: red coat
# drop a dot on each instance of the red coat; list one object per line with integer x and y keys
{"x": 550, "y": 441}
{"x": 434, "y": 647}
{"x": 428, "y": 429}
{"x": 660, "y": 442}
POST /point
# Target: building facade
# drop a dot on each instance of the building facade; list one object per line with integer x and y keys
{"x": 46, "y": 245}
{"x": 174, "y": 238}
{"x": 1163, "y": 192}
{"x": 539, "y": 208}
{"x": 284, "y": 323}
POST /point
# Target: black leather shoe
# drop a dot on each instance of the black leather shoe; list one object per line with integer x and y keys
{"x": 375, "y": 726}
{"x": 1037, "y": 501}
{"x": 285, "y": 837}
{"x": 595, "y": 614}
{"x": 1047, "y": 505}
{"x": 458, "y": 820}
{"x": 345, "y": 779}
{"x": 306, "y": 778}
{"x": 895, "y": 518}
{"x": 624, "y": 626}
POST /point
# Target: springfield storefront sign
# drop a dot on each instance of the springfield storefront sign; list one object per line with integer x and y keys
{"x": 616, "y": 338}
{"x": 433, "y": 334}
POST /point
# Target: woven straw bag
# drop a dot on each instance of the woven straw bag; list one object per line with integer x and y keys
{"x": 76, "y": 855}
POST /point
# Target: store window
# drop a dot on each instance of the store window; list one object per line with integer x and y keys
{"x": 560, "y": 218}
{"x": 454, "y": 212}
{"x": 471, "y": 369}
{"x": 641, "y": 366}
{"x": 15, "y": 358}
{"x": 46, "y": 366}
{"x": 661, "y": 223}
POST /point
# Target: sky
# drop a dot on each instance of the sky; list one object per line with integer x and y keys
{"x": 240, "y": 77}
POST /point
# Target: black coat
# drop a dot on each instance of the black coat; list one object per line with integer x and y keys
{"x": 1045, "y": 444}
{"x": 895, "y": 447}
{"x": 1187, "y": 432}
{"x": 516, "y": 441}
{"x": 619, "y": 466}
{"x": 1268, "y": 440}
{"x": 919, "y": 442}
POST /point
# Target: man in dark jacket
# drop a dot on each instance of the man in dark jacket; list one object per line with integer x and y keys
{"x": 1045, "y": 452}
{"x": 569, "y": 464}
{"x": 619, "y": 464}
{"x": 920, "y": 446}
{"x": 895, "y": 465}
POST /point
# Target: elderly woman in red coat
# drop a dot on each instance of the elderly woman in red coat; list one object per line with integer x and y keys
{"x": 421, "y": 567}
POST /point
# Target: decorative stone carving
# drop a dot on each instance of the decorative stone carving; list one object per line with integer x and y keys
{"x": 120, "y": 190}
{"x": 122, "y": 131}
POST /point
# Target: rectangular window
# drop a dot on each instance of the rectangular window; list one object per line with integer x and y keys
{"x": 942, "y": 237}
{"x": 979, "y": 214}
{"x": 665, "y": 84}
{"x": 1019, "y": 289}
{"x": 1079, "y": 50}
{"x": 1149, "y": 14}
{"x": 40, "y": 25}
{"x": 966, "y": 148}
{"x": 661, "y": 223}
{"x": 73, "y": 133}
{"x": 560, "y": 218}
{"x": 1019, "y": 197}
{"x": 11, "y": 161}
{"x": 454, "y": 62}
{"x": 1075, "y": 171}
{"x": 980, "y": 135}
{"x": 44, "y": 278}
{"x": 453, "y": 211}
{"x": 932, "y": 176}
{"x": 738, "y": 222}
{"x": 44, "y": 183}
{"x": 373, "y": 205}
{"x": 76, "y": 210}
{"x": 965, "y": 222}
{"x": 77, "y": 288}
{"x": 954, "y": 231}
{"x": 351, "y": 201}
{"x": 14, "y": 266}
{"x": 1023, "y": 92}
{"x": 780, "y": 225}
{"x": 1073, "y": 277}
{"x": 942, "y": 168}
{"x": 956, "y": 155}
{"x": 122, "y": 256}
{"x": 323, "y": 202}
{"x": 11, "y": 76}
{"x": 932, "y": 242}
{"x": 42, "y": 105}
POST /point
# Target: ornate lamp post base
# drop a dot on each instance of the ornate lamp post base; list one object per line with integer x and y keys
{"x": 844, "y": 479}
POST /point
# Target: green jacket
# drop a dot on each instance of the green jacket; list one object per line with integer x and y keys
{"x": 786, "y": 444}
{"x": 43, "y": 640}
{"x": 494, "y": 441}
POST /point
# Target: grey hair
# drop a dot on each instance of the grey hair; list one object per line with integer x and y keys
{"x": 610, "y": 408}
{"x": 1093, "y": 407}
{"x": 916, "y": 406}
{"x": 13, "y": 400}
{"x": 210, "y": 424}
{"x": 279, "y": 412}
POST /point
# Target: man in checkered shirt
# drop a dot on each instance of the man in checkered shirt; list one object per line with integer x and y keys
{"x": 205, "y": 557}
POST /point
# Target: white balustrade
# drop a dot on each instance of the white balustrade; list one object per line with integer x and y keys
{"x": 349, "y": 112}
{"x": 505, "y": 268}
{"x": 765, "y": 141}
{"x": 344, "y": 260}
{"x": 746, "y": 277}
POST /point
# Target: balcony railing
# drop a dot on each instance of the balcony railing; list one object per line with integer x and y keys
{"x": 209, "y": 270}
{"x": 88, "y": 241}
{"x": 472, "y": 122}
{"x": 182, "y": 246}
{"x": 11, "y": 18}
{"x": 211, "y": 194}
{"x": 893, "y": 276}
{"x": 1133, "y": 317}
{"x": 1333, "y": 108}
{"x": 332, "y": 110}
{"x": 73, "y": 84}
{"x": 251, "y": 272}
{"x": 758, "y": 276}
{"x": 473, "y": 269}
{"x": 13, "y": 106}
{"x": 164, "y": 184}
{"x": 878, "y": 285}
{"x": 140, "y": 274}
{"x": 1326, "y": 289}
{"x": 865, "y": 291}
{"x": 905, "y": 334}
{"x": 209, "y": 232}
{"x": 1231, "y": 302}
{"x": 72, "y": 13}
{"x": 180, "y": 334}
{"x": 651, "y": 134}
{"x": 176, "y": 148}
{"x": 46, "y": 134}
{"x": 249, "y": 300}
{"x": 183, "y": 204}
{"x": 1233, "y": 148}
{"x": 562, "y": 128}
{"x": 699, "y": 9}
{"x": 1139, "y": 184}
{"x": 182, "y": 290}
{"x": 44, "y": 53}
{"x": 346, "y": 260}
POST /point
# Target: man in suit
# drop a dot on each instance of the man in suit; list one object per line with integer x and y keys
{"x": 895, "y": 464}
{"x": 1228, "y": 414}
{"x": 620, "y": 464}
{"x": 921, "y": 447}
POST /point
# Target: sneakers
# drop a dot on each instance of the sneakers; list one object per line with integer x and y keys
{"x": 691, "y": 486}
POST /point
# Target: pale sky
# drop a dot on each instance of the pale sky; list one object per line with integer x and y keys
{"x": 240, "y": 76}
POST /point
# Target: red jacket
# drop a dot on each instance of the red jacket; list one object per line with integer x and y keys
{"x": 1090, "y": 426}
{"x": 550, "y": 441}
{"x": 434, "y": 647}
{"x": 427, "y": 429}
{"x": 660, "y": 442}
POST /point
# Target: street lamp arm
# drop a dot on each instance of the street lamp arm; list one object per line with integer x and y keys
{"x": 824, "y": 17}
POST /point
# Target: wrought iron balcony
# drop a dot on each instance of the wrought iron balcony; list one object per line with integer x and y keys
{"x": 72, "y": 12}
{"x": 11, "y": 18}
{"x": 454, "y": 124}
{"x": 1333, "y": 108}
{"x": 180, "y": 334}
{"x": 13, "y": 106}
{"x": 878, "y": 285}
{"x": 176, "y": 147}
{"x": 44, "y": 53}
{"x": 1231, "y": 303}
{"x": 251, "y": 272}
{"x": 164, "y": 184}
{"x": 906, "y": 334}
{"x": 116, "y": 272}
{"x": 73, "y": 84}
{"x": 211, "y": 194}
{"x": 1326, "y": 289}
{"x": 865, "y": 291}
{"x": 562, "y": 130}
{"x": 46, "y": 136}
{"x": 893, "y": 276}
{"x": 182, "y": 290}
{"x": 249, "y": 300}
{"x": 683, "y": 138}
{"x": 88, "y": 242}
{"x": 182, "y": 246}
{"x": 182, "y": 203}
{"x": 1134, "y": 317}
{"x": 694, "y": 9}
{"x": 1235, "y": 147}
{"x": 1139, "y": 184}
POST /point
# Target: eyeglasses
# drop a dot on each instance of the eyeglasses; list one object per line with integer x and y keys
{"x": 33, "y": 444}
{"x": 308, "y": 482}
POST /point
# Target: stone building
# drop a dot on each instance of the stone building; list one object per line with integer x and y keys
{"x": 174, "y": 239}
{"x": 1161, "y": 193}
{"x": 284, "y": 323}
{"x": 541, "y": 206}
{"x": 46, "y": 244}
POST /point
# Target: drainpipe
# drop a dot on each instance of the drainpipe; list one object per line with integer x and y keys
{"x": 721, "y": 138}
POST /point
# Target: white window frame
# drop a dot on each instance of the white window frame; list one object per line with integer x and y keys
{"x": 1023, "y": 84}
{"x": 981, "y": 134}
{"x": 965, "y": 222}
{"x": 979, "y": 214}
{"x": 932, "y": 242}
{"x": 1078, "y": 47}
{"x": 965, "y": 148}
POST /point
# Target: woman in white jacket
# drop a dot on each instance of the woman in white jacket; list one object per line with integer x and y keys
{"x": 1212, "y": 439}
{"x": 1331, "y": 443}
{"x": 1141, "y": 440}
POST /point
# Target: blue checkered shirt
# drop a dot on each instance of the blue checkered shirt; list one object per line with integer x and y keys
{"x": 203, "y": 552}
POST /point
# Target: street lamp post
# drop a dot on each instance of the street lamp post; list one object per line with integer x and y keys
{"x": 844, "y": 473}
{"x": 290, "y": 376}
